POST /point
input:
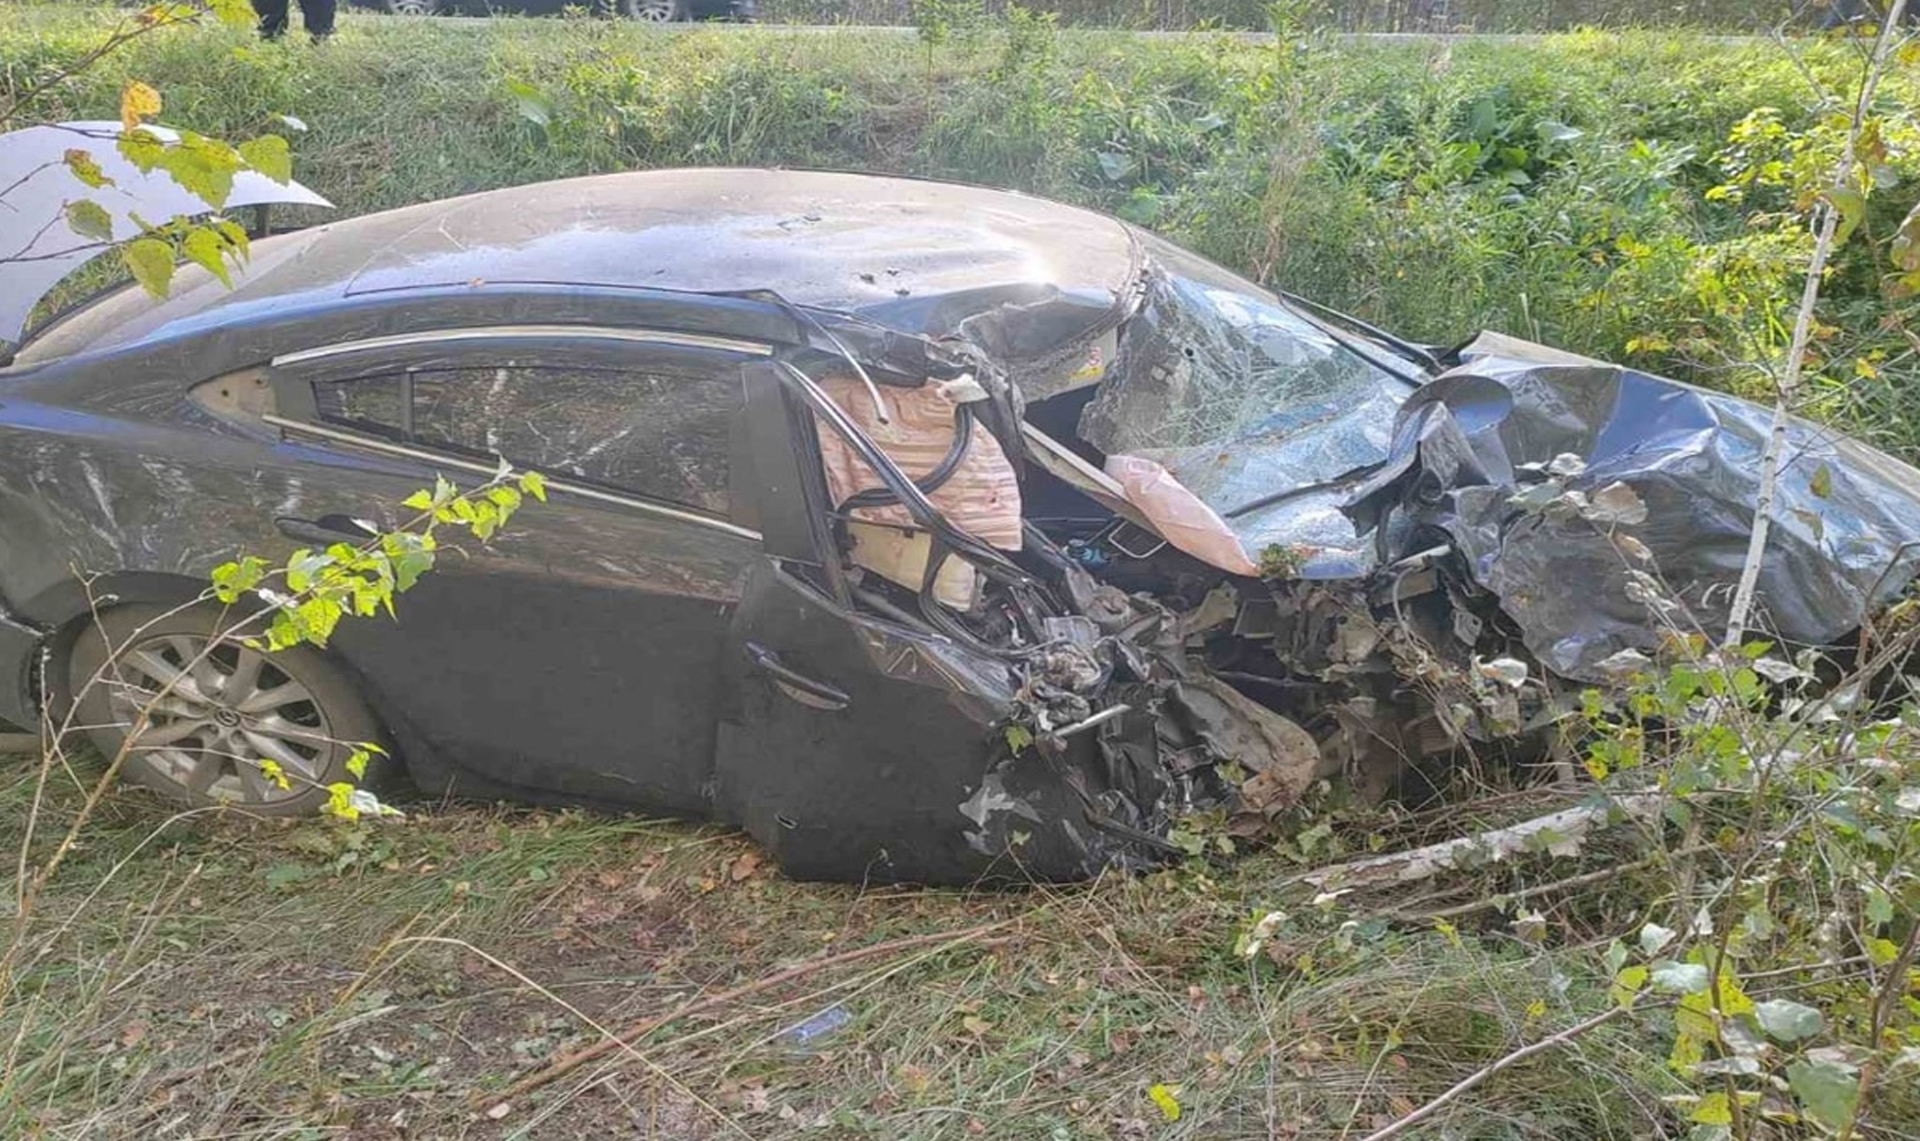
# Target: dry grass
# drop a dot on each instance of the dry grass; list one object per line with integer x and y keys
{"x": 218, "y": 977}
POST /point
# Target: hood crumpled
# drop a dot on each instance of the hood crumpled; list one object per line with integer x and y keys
{"x": 1468, "y": 446}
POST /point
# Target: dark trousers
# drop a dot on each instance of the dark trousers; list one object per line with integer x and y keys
{"x": 316, "y": 14}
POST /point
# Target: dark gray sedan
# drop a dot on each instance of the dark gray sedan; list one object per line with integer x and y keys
{"x": 928, "y": 533}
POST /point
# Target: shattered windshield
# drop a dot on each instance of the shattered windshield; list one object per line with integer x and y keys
{"x": 1246, "y": 401}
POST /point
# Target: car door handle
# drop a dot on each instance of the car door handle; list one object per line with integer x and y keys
{"x": 793, "y": 683}
{"x": 326, "y": 529}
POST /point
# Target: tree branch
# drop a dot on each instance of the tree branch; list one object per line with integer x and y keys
{"x": 1789, "y": 388}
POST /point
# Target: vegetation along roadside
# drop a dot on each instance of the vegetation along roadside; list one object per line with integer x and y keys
{"x": 1637, "y": 197}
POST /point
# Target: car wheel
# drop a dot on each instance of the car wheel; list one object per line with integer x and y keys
{"x": 229, "y": 707}
{"x": 414, "y": 7}
{"x": 652, "y": 11}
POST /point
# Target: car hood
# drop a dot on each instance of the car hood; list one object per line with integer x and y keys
{"x": 1540, "y": 466}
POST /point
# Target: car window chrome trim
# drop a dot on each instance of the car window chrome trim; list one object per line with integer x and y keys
{"x": 503, "y": 332}
{"x": 388, "y": 447}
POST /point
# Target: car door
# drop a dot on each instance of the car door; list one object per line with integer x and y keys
{"x": 856, "y": 747}
{"x": 575, "y": 656}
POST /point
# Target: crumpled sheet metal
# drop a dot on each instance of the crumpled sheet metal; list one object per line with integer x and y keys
{"x": 1692, "y": 456}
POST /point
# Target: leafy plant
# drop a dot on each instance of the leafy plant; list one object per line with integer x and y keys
{"x": 204, "y": 167}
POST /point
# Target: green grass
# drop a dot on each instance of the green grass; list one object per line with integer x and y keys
{"x": 256, "y": 980}
{"x": 221, "y": 978}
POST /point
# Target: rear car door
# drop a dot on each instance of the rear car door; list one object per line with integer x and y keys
{"x": 576, "y": 656}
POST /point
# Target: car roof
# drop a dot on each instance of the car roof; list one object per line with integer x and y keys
{"x": 824, "y": 239}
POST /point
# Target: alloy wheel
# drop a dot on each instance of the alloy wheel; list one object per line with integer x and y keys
{"x": 651, "y": 11}
{"x": 228, "y": 708}
{"x": 413, "y": 7}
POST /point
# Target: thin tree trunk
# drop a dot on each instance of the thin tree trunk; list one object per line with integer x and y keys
{"x": 1741, "y": 611}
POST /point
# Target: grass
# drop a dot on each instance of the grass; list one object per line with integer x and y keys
{"x": 215, "y": 977}
{"x": 239, "y": 979}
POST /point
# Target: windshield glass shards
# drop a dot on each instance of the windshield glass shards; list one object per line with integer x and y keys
{"x": 1240, "y": 397}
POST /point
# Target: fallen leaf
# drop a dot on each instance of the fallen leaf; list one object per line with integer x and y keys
{"x": 746, "y": 865}
{"x": 1166, "y": 1097}
{"x": 916, "y": 1079}
{"x": 499, "y": 1111}
{"x": 133, "y": 1033}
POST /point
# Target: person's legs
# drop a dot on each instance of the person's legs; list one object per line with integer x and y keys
{"x": 318, "y": 16}
{"x": 273, "y": 17}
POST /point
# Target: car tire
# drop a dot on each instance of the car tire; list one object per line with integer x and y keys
{"x": 653, "y": 11}
{"x": 230, "y": 706}
{"x": 414, "y": 7}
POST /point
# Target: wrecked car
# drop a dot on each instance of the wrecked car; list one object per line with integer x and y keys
{"x": 928, "y": 533}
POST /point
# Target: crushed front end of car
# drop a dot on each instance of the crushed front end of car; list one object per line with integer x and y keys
{"x": 1224, "y": 550}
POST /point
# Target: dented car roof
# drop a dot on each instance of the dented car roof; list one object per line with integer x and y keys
{"x": 891, "y": 246}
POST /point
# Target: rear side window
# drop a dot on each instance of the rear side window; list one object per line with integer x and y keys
{"x": 658, "y": 432}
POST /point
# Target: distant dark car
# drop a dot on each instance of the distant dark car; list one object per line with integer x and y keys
{"x": 928, "y": 533}
{"x": 651, "y": 11}
{"x": 1831, "y": 14}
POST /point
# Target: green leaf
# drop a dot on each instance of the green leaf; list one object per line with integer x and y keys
{"x": 408, "y": 566}
{"x": 268, "y": 155}
{"x": 141, "y": 148}
{"x": 89, "y": 219}
{"x": 1788, "y": 1021}
{"x": 1713, "y": 1109}
{"x": 532, "y": 103}
{"x": 1019, "y": 737}
{"x": 1879, "y": 907}
{"x": 340, "y": 801}
{"x": 1627, "y": 984}
{"x": 317, "y": 617}
{"x": 534, "y": 484}
{"x": 205, "y": 249}
{"x": 1821, "y": 485}
{"x": 280, "y": 877}
{"x": 233, "y": 13}
{"x": 1653, "y": 938}
{"x": 150, "y": 260}
{"x": 419, "y": 501}
{"x": 1681, "y": 978}
{"x": 202, "y": 167}
{"x": 84, "y": 168}
{"x": 231, "y": 580}
{"x": 1828, "y": 1091}
{"x": 303, "y": 566}
{"x": 1165, "y": 1098}
{"x": 1852, "y": 207}
{"x": 357, "y": 763}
